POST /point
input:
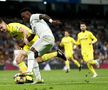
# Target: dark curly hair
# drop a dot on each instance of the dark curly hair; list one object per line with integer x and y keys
{"x": 26, "y": 9}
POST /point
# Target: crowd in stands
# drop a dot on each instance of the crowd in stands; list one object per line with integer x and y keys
{"x": 98, "y": 27}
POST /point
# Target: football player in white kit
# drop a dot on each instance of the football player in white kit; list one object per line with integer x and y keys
{"x": 45, "y": 42}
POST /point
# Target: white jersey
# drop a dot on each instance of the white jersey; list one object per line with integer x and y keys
{"x": 39, "y": 26}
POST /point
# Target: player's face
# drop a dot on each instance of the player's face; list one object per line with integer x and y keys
{"x": 3, "y": 26}
{"x": 66, "y": 33}
{"x": 83, "y": 27}
{"x": 25, "y": 16}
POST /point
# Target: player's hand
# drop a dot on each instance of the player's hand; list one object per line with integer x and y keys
{"x": 56, "y": 22}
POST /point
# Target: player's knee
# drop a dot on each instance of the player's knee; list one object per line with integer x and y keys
{"x": 35, "y": 65}
{"x": 89, "y": 61}
{"x": 35, "y": 52}
{"x": 23, "y": 53}
{"x": 18, "y": 60}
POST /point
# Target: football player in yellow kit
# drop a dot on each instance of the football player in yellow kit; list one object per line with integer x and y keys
{"x": 20, "y": 31}
{"x": 68, "y": 43}
{"x": 86, "y": 40}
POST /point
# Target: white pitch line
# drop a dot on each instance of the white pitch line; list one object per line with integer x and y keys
{"x": 68, "y": 83}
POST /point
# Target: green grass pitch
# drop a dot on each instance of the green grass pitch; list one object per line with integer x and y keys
{"x": 59, "y": 80}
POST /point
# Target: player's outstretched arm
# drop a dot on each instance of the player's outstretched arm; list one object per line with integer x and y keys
{"x": 49, "y": 19}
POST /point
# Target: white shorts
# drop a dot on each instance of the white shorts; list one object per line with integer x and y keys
{"x": 44, "y": 44}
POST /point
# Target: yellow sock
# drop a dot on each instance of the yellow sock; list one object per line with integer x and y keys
{"x": 67, "y": 64}
{"x": 48, "y": 56}
{"x": 90, "y": 67}
{"x": 76, "y": 63}
{"x": 22, "y": 66}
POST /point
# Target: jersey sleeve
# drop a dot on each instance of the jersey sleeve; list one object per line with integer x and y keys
{"x": 61, "y": 43}
{"x": 73, "y": 40}
{"x": 78, "y": 40}
{"x": 35, "y": 17}
{"x": 14, "y": 27}
{"x": 94, "y": 39}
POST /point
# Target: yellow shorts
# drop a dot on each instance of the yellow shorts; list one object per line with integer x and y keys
{"x": 27, "y": 47}
{"x": 69, "y": 55}
{"x": 88, "y": 56}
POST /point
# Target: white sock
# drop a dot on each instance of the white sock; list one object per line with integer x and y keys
{"x": 16, "y": 52}
{"x": 14, "y": 62}
{"x": 30, "y": 61}
{"x": 36, "y": 71}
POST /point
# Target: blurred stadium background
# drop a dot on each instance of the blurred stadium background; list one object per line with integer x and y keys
{"x": 70, "y": 12}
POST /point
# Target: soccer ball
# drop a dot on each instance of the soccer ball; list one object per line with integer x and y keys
{"x": 19, "y": 79}
{"x": 29, "y": 79}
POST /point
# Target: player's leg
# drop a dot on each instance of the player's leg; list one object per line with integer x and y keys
{"x": 67, "y": 63}
{"x": 41, "y": 50}
{"x": 37, "y": 49}
{"x": 91, "y": 59}
{"x": 91, "y": 68}
{"x": 33, "y": 65}
{"x": 36, "y": 53}
{"x": 87, "y": 58}
{"x": 31, "y": 61}
{"x": 92, "y": 62}
{"x": 37, "y": 74}
{"x": 20, "y": 61}
{"x": 48, "y": 56}
{"x": 15, "y": 56}
{"x": 75, "y": 62}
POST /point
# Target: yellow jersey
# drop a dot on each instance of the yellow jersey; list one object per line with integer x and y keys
{"x": 85, "y": 39}
{"x": 67, "y": 43}
{"x": 14, "y": 30}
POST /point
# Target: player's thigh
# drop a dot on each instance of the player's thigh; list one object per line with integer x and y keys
{"x": 69, "y": 56}
{"x": 91, "y": 55}
{"x": 16, "y": 53}
{"x": 43, "y": 46}
{"x": 20, "y": 57}
{"x": 85, "y": 56}
{"x": 45, "y": 49}
{"x": 88, "y": 56}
